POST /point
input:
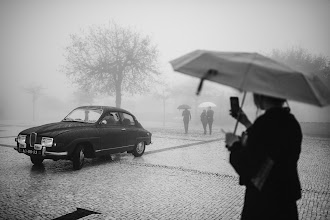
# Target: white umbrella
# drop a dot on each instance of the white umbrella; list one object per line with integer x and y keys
{"x": 206, "y": 104}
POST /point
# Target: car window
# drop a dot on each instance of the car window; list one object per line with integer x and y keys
{"x": 111, "y": 118}
{"x": 84, "y": 115}
{"x": 127, "y": 119}
{"x": 93, "y": 115}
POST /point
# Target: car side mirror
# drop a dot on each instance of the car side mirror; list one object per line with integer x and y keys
{"x": 103, "y": 122}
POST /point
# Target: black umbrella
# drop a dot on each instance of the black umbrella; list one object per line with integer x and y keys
{"x": 184, "y": 106}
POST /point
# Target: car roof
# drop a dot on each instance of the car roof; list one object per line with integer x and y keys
{"x": 105, "y": 108}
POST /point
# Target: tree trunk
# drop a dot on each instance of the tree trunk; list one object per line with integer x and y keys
{"x": 164, "y": 112}
{"x": 118, "y": 94}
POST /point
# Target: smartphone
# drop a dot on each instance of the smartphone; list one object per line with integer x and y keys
{"x": 234, "y": 105}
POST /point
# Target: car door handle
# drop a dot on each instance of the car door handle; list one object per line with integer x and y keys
{"x": 123, "y": 129}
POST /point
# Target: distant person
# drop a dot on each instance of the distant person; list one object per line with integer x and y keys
{"x": 266, "y": 158}
{"x": 186, "y": 118}
{"x": 204, "y": 120}
{"x": 209, "y": 115}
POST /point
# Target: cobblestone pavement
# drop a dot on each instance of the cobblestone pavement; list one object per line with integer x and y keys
{"x": 179, "y": 177}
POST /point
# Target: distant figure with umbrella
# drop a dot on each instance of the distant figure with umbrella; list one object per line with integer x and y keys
{"x": 209, "y": 116}
{"x": 204, "y": 120}
{"x": 186, "y": 118}
{"x": 209, "y": 113}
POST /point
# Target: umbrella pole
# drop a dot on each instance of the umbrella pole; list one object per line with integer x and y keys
{"x": 242, "y": 103}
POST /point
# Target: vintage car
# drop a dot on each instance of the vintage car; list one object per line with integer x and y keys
{"x": 88, "y": 131}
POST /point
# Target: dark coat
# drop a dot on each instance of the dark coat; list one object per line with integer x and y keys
{"x": 276, "y": 135}
{"x": 186, "y": 115}
{"x": 204, "y": 118}
{"x": 209, "y": 115}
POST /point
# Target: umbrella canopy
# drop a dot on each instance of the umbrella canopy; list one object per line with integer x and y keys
{"x": 184, "y": 106}
{"x": 254, "y": 73}
{"x": 207, "y": 104}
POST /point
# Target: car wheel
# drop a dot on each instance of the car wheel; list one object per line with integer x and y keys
{"x": 139, "y": 149}
{"x": 36, "y": 160}
{"x": 78, "y": 158}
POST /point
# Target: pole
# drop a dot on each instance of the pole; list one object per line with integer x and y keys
{"x": 236, "y": 125}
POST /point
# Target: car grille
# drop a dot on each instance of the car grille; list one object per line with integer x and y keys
{"x": 32, "y": 139}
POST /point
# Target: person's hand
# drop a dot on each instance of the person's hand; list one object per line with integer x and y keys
{"x": 237, "y": 114}
{"x": 241, "y": 117}
{"x": 231, "y": 139}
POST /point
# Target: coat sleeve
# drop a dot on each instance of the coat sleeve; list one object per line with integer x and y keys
{"x": 236, "y": 156}
{"x": 239, "y": 159}
{"x": 246, "y": 159}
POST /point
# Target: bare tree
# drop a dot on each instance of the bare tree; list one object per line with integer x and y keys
{"x": 35, "y": 91}
{"x": 301, "y": 59}
{"x": 111, "y": 59}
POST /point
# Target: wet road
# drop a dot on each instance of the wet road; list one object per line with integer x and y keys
{"x": 179, "y": 177}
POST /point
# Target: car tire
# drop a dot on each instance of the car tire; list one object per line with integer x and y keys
{"x": 139, "y": 149}
{"x": 36, "y": 160}
{"x": 78, "y": 157}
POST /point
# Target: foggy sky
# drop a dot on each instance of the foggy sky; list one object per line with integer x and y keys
{"x": 35, "y": 32}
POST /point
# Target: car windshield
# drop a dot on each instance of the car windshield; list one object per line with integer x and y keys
{"x": 84, "y": 115}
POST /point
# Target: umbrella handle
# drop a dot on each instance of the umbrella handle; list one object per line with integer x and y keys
{"x": 236, "y": 125}
{"x": 200, "y": 86}
{"x": 210, "y": 72}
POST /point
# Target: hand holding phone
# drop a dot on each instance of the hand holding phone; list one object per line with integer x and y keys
{"x": 237, "y": 112}
{"x": 234, "y": 106}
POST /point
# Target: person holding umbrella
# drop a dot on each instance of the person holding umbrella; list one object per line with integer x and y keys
{"x": 204, "y": 120}
{"x": 186, "y": 118}
{"x": 209, "y": 115}
{"x": 266, "y": 157}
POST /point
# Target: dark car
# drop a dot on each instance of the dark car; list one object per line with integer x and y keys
{"x": 88, "y": 131}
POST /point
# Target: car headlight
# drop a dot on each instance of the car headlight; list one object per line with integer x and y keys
{"x": 21, "y": 139}
{"x": 47, "y": 142}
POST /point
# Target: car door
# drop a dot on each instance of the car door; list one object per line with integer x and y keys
{"x": 130, "y": 129}
{"x": 111, "y": 133}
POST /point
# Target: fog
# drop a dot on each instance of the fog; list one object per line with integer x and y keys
{"x": 34, "y": 34}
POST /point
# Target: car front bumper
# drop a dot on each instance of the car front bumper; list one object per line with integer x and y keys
{"x": 42, "y": 152}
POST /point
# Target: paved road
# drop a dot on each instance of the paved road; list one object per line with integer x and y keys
{"x": 179, "y": 177}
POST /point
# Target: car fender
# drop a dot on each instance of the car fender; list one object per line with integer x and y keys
{"x": 147, "y": 140}
{"x": 93, "y": 141}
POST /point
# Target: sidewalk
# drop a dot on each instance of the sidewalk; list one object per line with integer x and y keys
{"x": 179, "y": 177}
